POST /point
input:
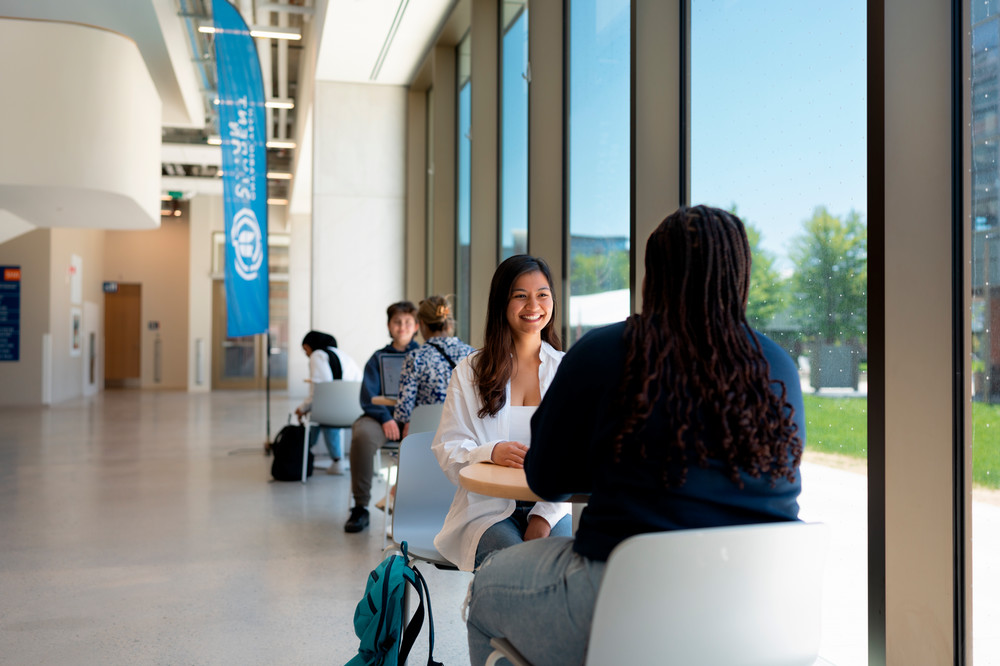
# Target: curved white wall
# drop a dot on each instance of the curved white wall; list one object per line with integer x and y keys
{"x": 81, "y": 119}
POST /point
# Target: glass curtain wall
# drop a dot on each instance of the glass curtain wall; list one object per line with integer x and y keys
{"x": 778, "y": 135}
{"x": 513, "y": 128}
{"x": 463, "y": 204}
{"x": 598, "y": 165}
{"x": 984, "y": 302}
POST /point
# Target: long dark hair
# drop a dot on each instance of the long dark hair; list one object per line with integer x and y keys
{"x": 319, "y": 340}
{"x": 692, "y": 355}
{"x": 494, "y": 364}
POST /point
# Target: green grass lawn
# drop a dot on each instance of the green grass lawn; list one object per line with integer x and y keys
{"x": 840, "y": 426}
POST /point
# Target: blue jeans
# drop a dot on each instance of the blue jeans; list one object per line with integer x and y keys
{"x": 510, "y": 532}
{"x": 538, "y": 595}
{"x": 332, "y": 437}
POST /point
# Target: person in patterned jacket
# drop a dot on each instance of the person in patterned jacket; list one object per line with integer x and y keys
{"x": 427, "y": 369}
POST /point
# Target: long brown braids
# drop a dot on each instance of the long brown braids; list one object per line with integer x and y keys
{"x": 692, "y": 355}
{"x": 493, "y": 365}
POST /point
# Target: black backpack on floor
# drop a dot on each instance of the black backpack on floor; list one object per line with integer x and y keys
{"x": 287, "y": 451}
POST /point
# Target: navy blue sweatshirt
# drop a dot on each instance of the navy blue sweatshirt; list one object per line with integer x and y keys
{"x": 371, "y": 385}
{"x": 572, "y": 433}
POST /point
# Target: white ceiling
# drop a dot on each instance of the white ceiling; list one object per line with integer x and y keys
{"x": 355, "y": 32}
{"x": 155, "y": 28}
{"x": 362, "y": 41}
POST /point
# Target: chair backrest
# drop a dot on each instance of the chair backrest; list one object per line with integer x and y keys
{"x": 423, "y": 492}
{"x": 425, "y": 418}
{"x": 738, "y": 596}
{"x": 336, "y": 404}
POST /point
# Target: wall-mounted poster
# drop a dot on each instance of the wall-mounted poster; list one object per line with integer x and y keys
{"x": 75, "y": 331}
{"x": 75, "y": 279}
{"x": 10, "y": 313}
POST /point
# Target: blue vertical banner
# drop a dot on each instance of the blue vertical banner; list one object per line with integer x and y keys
{"x": 244, "y": 165}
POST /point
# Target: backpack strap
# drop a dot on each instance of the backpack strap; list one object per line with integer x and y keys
{"x": 412, "y": 629}
{"x": 442, "y": 352}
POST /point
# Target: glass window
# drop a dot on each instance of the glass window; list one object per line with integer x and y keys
{"x": 778, "y": 134}
{"x": 513, "y": 128}
{"x": 598, "y": 171}
{"x": 463, "y": 205}
{"x": 984, "y": 302}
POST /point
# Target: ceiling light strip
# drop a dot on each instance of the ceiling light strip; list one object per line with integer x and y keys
{"x": 262, "y": 32}
{"x": 391, "y": 35}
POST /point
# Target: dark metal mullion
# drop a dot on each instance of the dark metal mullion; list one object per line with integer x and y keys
{"x": 564, "y": 269}
{"x": 876, "y": 333}
{"x": 633, "y": 258}
{"x": 958, "y": 334}
{"x": 499, "y": 135}
{"x": 684, "y": 139}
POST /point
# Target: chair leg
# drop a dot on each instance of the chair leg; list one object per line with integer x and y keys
{"x": 305, "y": 452}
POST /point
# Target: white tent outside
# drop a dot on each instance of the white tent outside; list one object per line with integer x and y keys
{"x": 599, "y": 309}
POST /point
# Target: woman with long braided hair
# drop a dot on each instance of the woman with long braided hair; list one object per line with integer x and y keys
{"x": 680, "y": 417}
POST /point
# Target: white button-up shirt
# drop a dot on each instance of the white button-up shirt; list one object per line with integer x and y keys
{"x": 462, "y": 439}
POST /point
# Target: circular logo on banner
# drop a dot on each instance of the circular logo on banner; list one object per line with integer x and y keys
{"x": 248, "y": 244}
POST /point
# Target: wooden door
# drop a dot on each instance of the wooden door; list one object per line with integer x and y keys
{"x": 122, "y": 330}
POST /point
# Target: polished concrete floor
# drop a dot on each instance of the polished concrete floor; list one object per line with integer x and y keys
{"x": 142, "y": 528}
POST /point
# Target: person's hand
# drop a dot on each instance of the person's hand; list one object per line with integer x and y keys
{"x": 509, "y": 454}
{"x": 406, "y": 430}
{"x": 538, "y": 528}
{"x": 391, "y": 430}
{"x": 299, "y": 414}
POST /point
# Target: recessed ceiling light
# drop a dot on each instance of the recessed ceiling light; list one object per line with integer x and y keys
{"x": 262, "y": 32}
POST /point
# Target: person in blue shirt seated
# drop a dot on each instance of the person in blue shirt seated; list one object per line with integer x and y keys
{"x": 376, "y": 426}
{"x": 680, "y": 417}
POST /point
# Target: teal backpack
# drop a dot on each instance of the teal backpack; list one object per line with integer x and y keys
{"x": 379, "y": 621}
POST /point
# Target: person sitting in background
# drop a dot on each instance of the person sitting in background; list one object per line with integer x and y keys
{"x": 680, "y": 417}
{"x": 376, "y": 426}
{"x": 487, "y": 413}
{"x": 326, "y": 364}
{"x": 427, "y": 369}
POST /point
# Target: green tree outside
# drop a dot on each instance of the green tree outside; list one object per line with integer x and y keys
{"x": 767, "y": 287}
{"x": 830, "y": 283}
{"x": 599, "y": 272}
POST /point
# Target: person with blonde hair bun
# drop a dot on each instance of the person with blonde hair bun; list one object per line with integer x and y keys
{"x": 427, "y": 369}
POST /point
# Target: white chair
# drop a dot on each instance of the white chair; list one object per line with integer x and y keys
{"x": 425, "y": 418}
{"x": 335, "y": 404}
{"x": 734, "y": 596}
{"x": 423, "y": 497}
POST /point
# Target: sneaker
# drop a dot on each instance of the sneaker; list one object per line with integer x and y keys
{"x": 358, "y": 520}
{"x": 335, "y": 468}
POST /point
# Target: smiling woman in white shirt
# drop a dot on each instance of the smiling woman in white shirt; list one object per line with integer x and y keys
{"x": 487, "y": 415}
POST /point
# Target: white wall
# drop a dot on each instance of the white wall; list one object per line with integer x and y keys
{"x": 82, "y": 142}
{"x": 358, "y": 230}
{"x": 67, "y": 377}
{"x": 299, "y": 297}
{"x": 206, "y": 216}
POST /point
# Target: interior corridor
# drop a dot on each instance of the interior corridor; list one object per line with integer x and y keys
{"x": 142, "y": 528}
